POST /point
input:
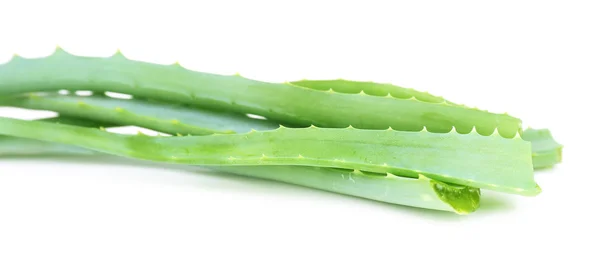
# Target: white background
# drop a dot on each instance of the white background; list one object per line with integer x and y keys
{"x": 539, "y": 61}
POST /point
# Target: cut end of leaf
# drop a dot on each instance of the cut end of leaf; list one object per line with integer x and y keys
{"x": 464, "y": 200}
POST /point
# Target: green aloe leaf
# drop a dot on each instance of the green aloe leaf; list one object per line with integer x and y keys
{"x": 490, "y": 162}
{"x": 280, "y": 102}
{"x": 421, "y": 192}
{"x": 370, "y": 88}
{"x": 545, "y": 150}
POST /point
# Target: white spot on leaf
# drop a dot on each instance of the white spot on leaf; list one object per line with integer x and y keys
{"x": 117, "y": 95}
{"x": 84, "y": 93}
{"x": 256, "y": 117}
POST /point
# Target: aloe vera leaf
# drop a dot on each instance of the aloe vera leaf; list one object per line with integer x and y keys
{"x": 377, "y": 89}
{"x": 489, "y": 162}
{"x": 422, "y": 192}
{"x": 546, "y": 151}
{"x": 370, "y": 88}
{"x": 541, "y": 140}
{"x": 162, "y": 117}
{"x": 281, "y": 102}
{"x": 546, "y": 159}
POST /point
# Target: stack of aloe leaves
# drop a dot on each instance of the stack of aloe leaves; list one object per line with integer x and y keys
{"x": 371, "y": 140}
